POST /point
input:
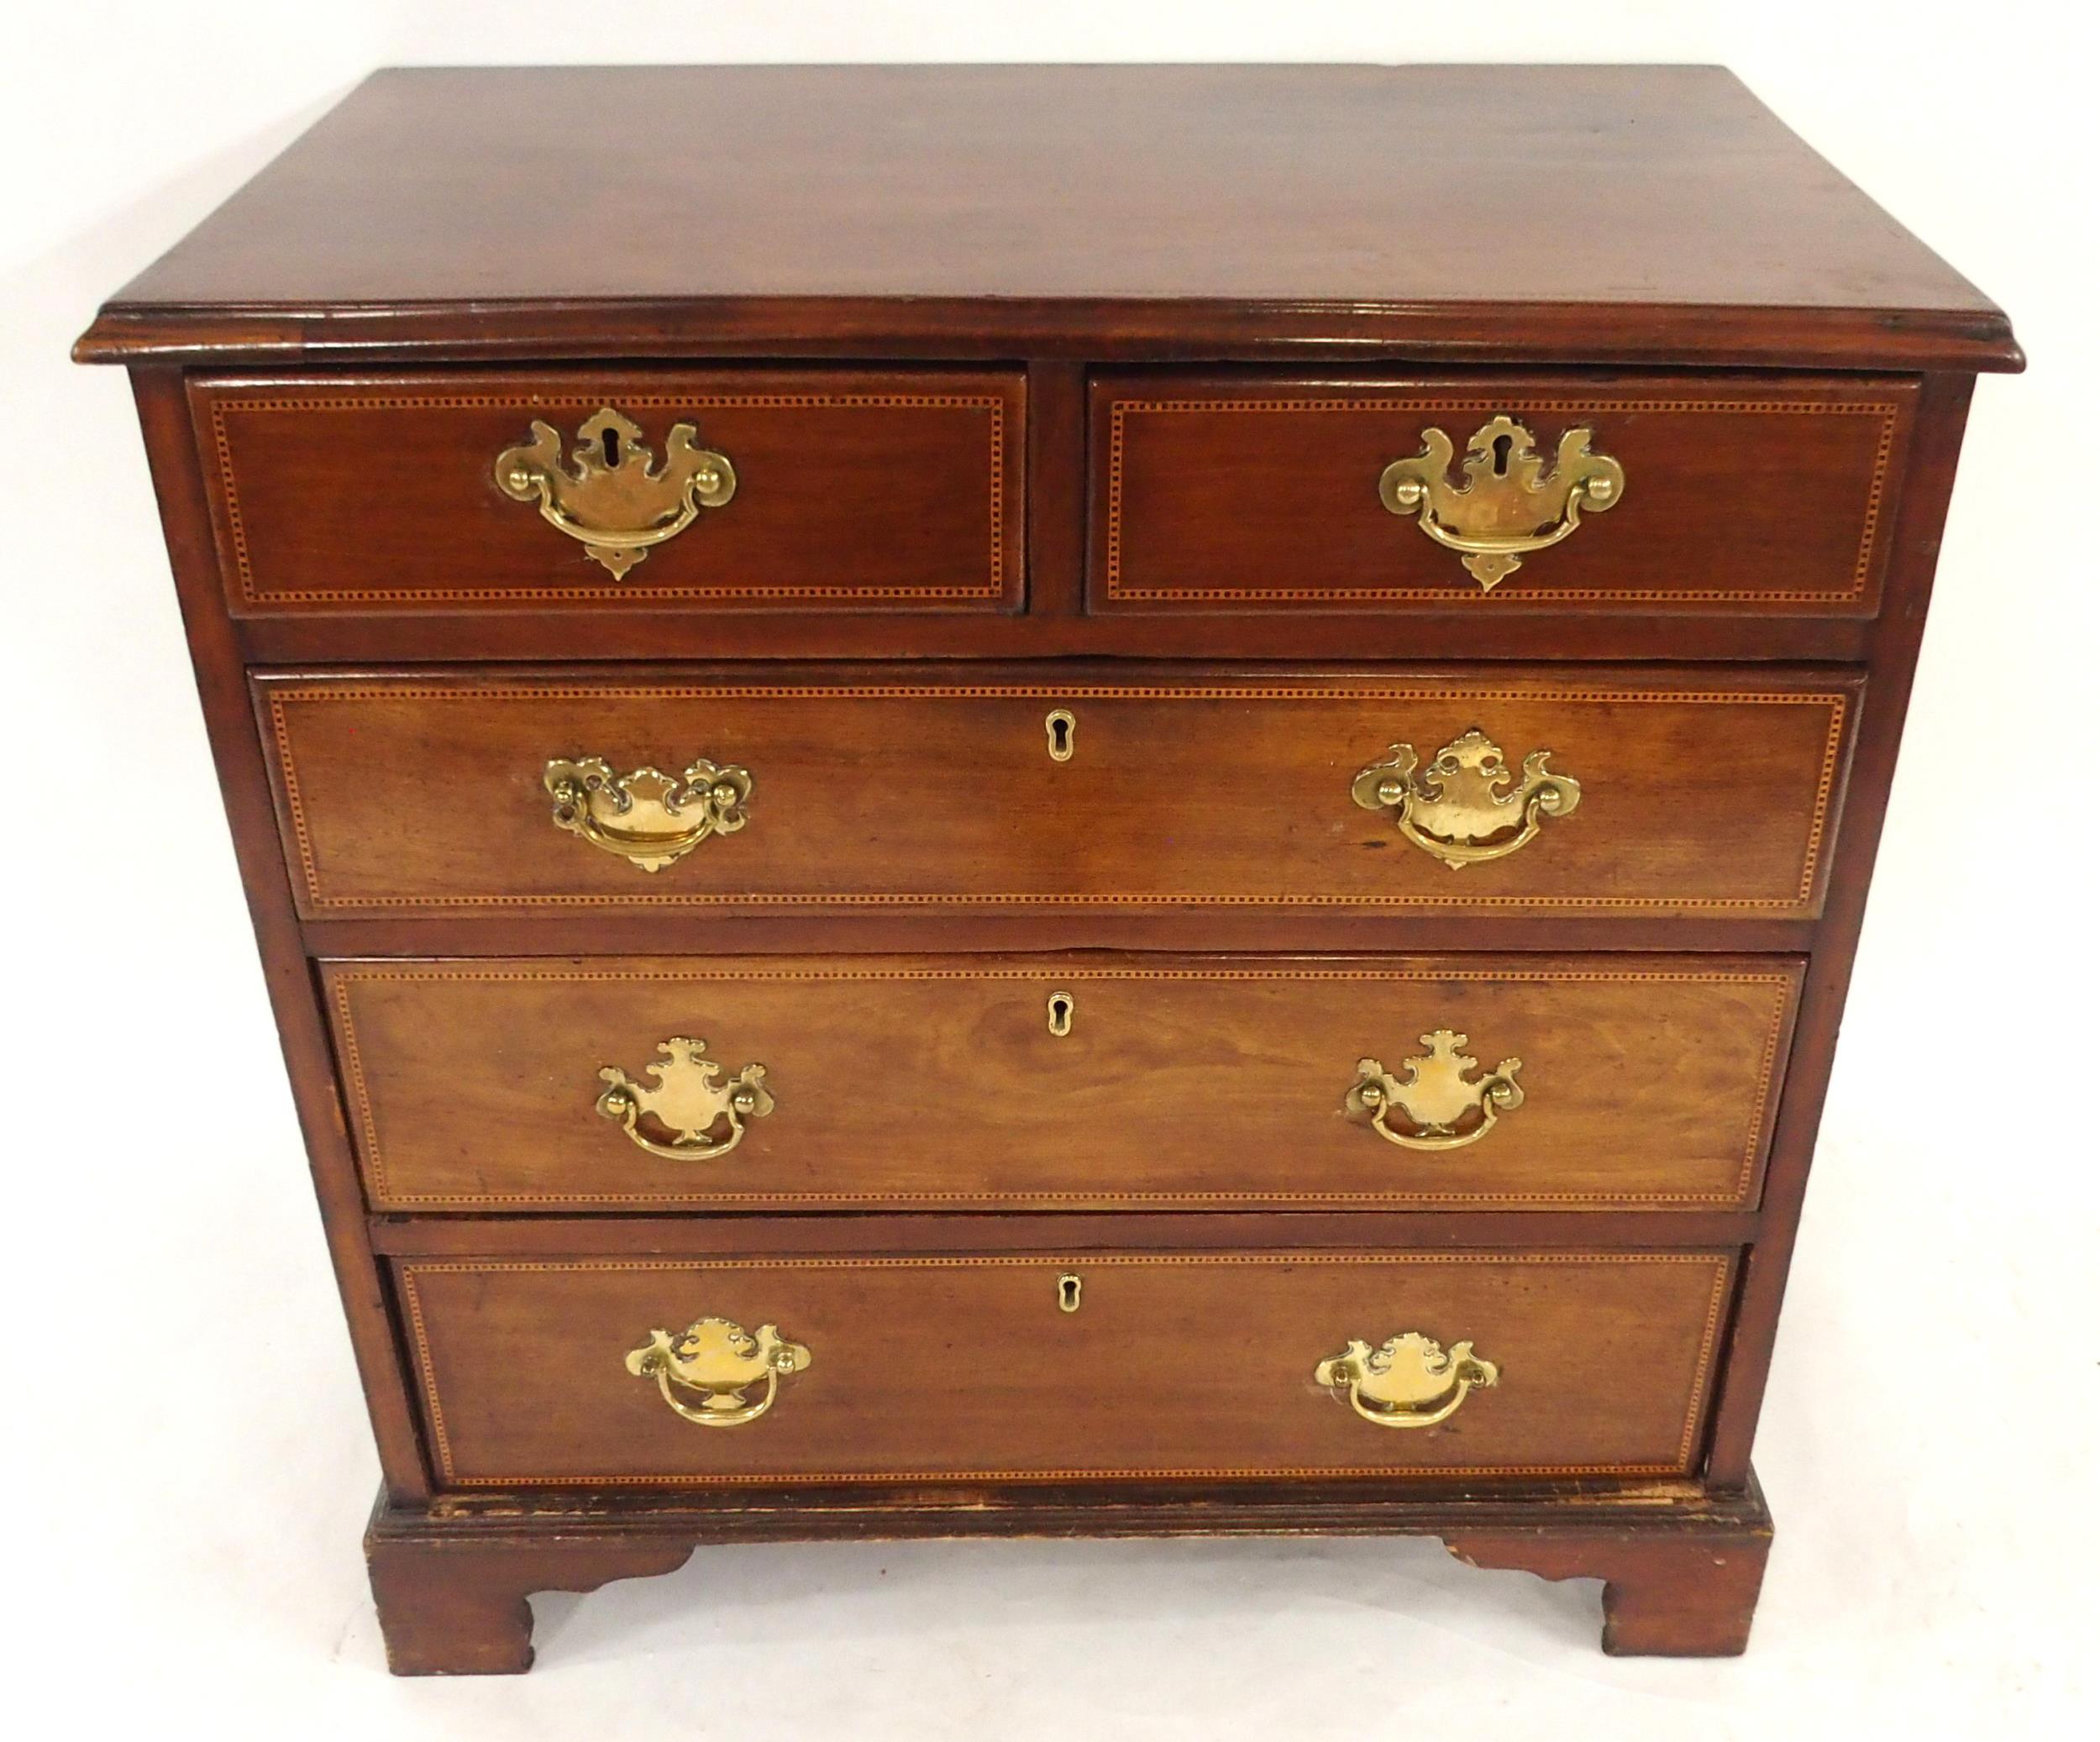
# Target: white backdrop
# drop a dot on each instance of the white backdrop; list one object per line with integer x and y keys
{"x": 187, "y": 1464}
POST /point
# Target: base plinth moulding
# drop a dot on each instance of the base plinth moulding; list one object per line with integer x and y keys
{"x": 1681, "y": 1567}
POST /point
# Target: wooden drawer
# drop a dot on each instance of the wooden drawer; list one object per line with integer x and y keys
{"x": 1701, "y": 793}
{"x": 1187, "y": 1364}
{"x": 853, "y": 490}
{"x": 902, "y": 1084}
{"x": 1735, "y": 493}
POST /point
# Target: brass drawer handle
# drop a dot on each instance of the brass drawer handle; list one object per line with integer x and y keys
{"x": 1509, "y": 506}
{"x": 690, "y": 1099}
{"x": 1409, "y": 1382}
{"x": 649, "y": 818}
{"x": 1445, "y": 1110}
{"x": 718, "y": 1360}
{"x": 612, "y": 502}
{"x": 1456, "y": 809}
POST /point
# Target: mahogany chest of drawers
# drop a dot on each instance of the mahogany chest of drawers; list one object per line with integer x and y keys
{"x": 1055, "y": 801}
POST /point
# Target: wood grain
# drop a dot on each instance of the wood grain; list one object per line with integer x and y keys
{"x": 1184, "y": 1081}
{"x": 386, "y": 659}
{"x": 969, "y": 1233}
{"x": 1682, "y": 1566}
{"x": 1479, "y": 211}
{"x": 893, "y": 487}
{"x": 1252, "y": 492}
{"x": 456, "y": 1606}
{"x": 302, "y": 1024}
{"x": 1705, "y": 793}
{"x": 965, "y": 1368}
{"x": 1897, "y": 635}
{"x": 1052, "y": 628}
{"x": 1674, "y": 1592}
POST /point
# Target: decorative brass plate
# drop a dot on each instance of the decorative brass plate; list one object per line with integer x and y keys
{"x": 718, "y": 1360}
{"x": 1456, "y": 809}
{"x": 613, "y": 501}
{"x": 1433, "y": 1097}
{"x": 1408, "y": 1381}
{"x": 648, "y": 817}
{"x": 1510, "y": 504}
{"x": 691, "y": 1098}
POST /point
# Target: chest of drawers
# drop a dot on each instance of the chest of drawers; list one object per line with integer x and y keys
{"x": 1115, "y": 800}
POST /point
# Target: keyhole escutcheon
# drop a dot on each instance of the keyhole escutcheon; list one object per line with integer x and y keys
{"x": 1061, "y": 1008}
{"x": 1069, "y": 1292}
{"x": 1062, "y": 729}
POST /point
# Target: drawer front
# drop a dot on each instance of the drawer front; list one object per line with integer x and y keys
{"x": 1730, "y": 495}
{"x": 1708, "y": 794}
{"x": 1018, "y": 1083}
{"x": 846, "y": 489}
{"x": 843, "y": 1369}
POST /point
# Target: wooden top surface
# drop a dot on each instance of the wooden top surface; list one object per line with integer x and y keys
{"x": 1579, "y": 213}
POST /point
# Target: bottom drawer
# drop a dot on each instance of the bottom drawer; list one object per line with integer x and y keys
{"x": 1185, "y": 1364}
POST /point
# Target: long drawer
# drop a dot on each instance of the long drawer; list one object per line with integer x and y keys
{"x": 667, "y": 1371}
{"x": 1711, "y": 793}
{"x": 1062, "y": 1083}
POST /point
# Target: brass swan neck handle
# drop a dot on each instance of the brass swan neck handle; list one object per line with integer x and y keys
{"x": 716, "y": 1361}
{"x": 1510, "y": 504}
{"x": 690, "y": 1098}
{"x": 1408, "y": 1381}
{"x": 1462, "y": 806}
{"x": 615, "y": 501}
{"x": 1441, "y": 1108}
{"x": 649, "y": 818}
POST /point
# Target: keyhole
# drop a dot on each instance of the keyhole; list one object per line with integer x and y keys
{"x": 1062, "y": 729}
{"x": 1061, "y": 1013}
{"x": 1067, "y": 1292}
{"x": 610, "y": 441}
{"x": 1502, "y": 456}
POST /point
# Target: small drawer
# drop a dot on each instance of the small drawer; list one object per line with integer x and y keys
{"x": 1015, "y": 1083}
{"x": 618, "y": 489}
{"x": 675, "y": 1372}
{"x": 1708, "y": 792}
{"x": 1510, "y": 494}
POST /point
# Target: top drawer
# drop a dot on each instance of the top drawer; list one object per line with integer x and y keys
{"x": 797, "y": 490}
{"x": 1736, "y": 495}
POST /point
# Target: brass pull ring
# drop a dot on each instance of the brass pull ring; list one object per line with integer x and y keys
{"x": 1433, "y": 1097}
{"x": 1510, "y": 504}
{"x": 691, "y": 1098}
{"x": 718, "y": 1360}
{"x": 1408, "y": 1381}
{"x": 649, "y": 818}
{"x": 612, "y": 502}
{"x": 1456, "y": 809}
